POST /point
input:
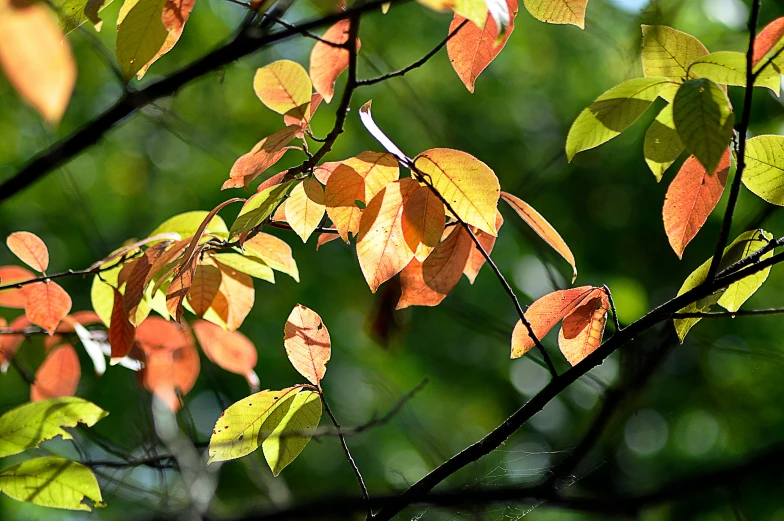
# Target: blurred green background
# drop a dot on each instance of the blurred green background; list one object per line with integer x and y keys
{"x": 717, "y": 397}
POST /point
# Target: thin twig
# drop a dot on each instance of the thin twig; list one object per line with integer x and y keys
{"x": 616, "y": 322}
{"x": 730, "y": 314}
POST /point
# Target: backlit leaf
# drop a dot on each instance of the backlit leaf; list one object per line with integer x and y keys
{"x": 230, "y": 350}
{"x": 288, "y": 429}
{"x": 47, "y": 304}
{"x": 423, "y": 221}
{"x": 558, "y": 11}
{"x": 764, "y": 172}
{"x": 121, "y": 331}
{"x": 729, "y": 68}
{"x": 307, "y": 343}
{"x": 235, "y": 297}
{"x": 305, "y": 207}
{"x": 274, "y": 252}
{"x": 186, "y": 224}
{"x": 58, "y": 376}
{"x": 266, "y": 153}
{"x": 17, "y": 297}
{"x": 582, "y": 330}
{"x": 475, "y": 259}
{"x": 662, "y": 145}
{"x": 30, "y": 249}
{"x": 284, "y": 86}
{"x": 327, "y": 62}
{"x": 74, "y": 13}
{"x": 204, "y": 288}
{"x": 247, "y": 264}
{"x": 769, "y": 41}
{"x": 669, "y": 53}
{"x": 51, "y": 482}
{"x": 259, "y": 207}
{"x": 739, "y": 292}
{"x": 178, "y": 289}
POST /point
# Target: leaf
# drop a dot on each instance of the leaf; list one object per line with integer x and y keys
{"x": 542, "y": 228}
{"x": 612, "y": 113}
{"x": 286, "y": 416}
{"x": 428, "y": 283}
{"x": 545, "y": 313}
{"x": 467, "y": 184}
{"x": 51, "y": 482}
{"x": 30, "y": 249}
{"x": 235, "y": 298}
{"x": 307, "y": 343}
{"x": 327, "y": 62}
{"x": 178, "y": 289}
{"x": 475, "y": 259}
{"x": 305, "y": 208}
{"x": 266, "y": 153}
{"x": 662, "y": 145}
{"x": 73, "y": 13}
{"x": 26, "y": 426}
{"x": 324, "y": 238}
{"x": 302, "y": 119}
{"x": 764, "y": 172}
{"x": 259, "y": 207}
{"x": 582, "y": 330}
{"x": 558, "y": 11}
{"x": 191, "y": 251}
{"x": 690, "y": 199}
{"x": 739, "y": 292}
{"x": 669, "y": 53}
{"x": 474, "y": 10}
{"x": 423, "y": 222}
{"x": 16, "y": 297}
{"x": 769, "y": 41}
{"x": 274, "y": 252}
{"x": 704, "y": 120}
{"x": 381, "y": 247}
{"x": 284, "y": 86}
{"x": 36, "y": 57}
{"x": 729, "y": 68}
{"x": 230, "y": 350}
{"x": 47, "y": 304}
{"x": 58, "y": 376}
{"x": 475, "y": 46}
{"x": 204, "y": 288}
{"x": 121, "y": 331}
{"x": 187, "y": 224}
{"x": 249, "y": 265}
{"x": 138, "y": 280}
{"x": 359, "y": 178}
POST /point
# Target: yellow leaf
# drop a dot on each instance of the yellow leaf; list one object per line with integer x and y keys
{"x": 305, "y": 208}
{"x": 558, "y": 11}
{"x": 284, "y": 86}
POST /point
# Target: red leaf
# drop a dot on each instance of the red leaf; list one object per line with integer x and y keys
{"x": 690, "y": 199}
{"x": 476, "y": 260}
{"x": 30, "y": 249}
{"x": 767, "y": 39}
{"x": 582, "y": 330}
{"x": 137, "y": 280}
{"x": 328, "y": 62}
{"x": 121, "y": 331}
{"x": 17, "y": 297}
{"x": 47, "y": 305}
{"x": 230, "y": 350}
{"x": 58, "y": 376}
{"x": 179, "y": 288}
{"x": 307, "y": 343}
{"x": 206, "y": 282}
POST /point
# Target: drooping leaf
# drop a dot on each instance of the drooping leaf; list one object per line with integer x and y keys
{"x": 690, "y": 199}
{"x": 467, "y": 184}
{"x": 135, "y": 287}
{"x": 230, "y": 350}
{"x": 305, "y": 208}
{"x": 612, "y": 113}
{"x": 190, "y": 252}
{"x": 262, "y": 156}
{"x": 558, "y": 11}
{"x": 324, "y": 238}
{"x": 704, "y": 120}
{"x": 284, "y": 86}
{"x": 250, "y": 265}
{"x": 204, "y": 288}
{"x": 423, "y": 222}
{"x": 582, "y": 330}
{"x": 769, "y": 41}
{"x": 30, "y": 249}
{"x": 662, "y": 145}
{"x": 475, "y": 259}
{"x": 668, "y": 52}
{"x": 58, "y": 376}
{"x": 16, "y": 297}
{"x": 235, "y": 297}
{"x": 259, "y": 207}
{"x": 121, "y": 331}
{"x": 28, "y": 425}
{"x": 764, "y": 172}
{"x": 729, "y": 68}
{"x": 545, "y": 313}
{"x": 47, "y": 304}
{"x": 542, "y": 228}
{"x": 274, "y": 252}
{"x": 180, "y": 285}
{"x": 381, "y": 245}
{"x": 186, "y": 224}
{"x": 52, "y": 482}
{"x": 327, "y": 62}
{"x": 307, "y": 343}
{"x": 36, "y": 57}
{"x": 288, "y": 429}
{"x": 474, "y": 46}
{"x": 428, "y": 283}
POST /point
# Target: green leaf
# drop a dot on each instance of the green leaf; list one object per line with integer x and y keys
{"x": 729, "y": 68}
{"x": 704, "y": 119}
{"x": 669, "y": 53}
{"x": 288, "y": 429}
{"x": 140, "y": 34}
{"x": 73, "y": 13}
{"x": 52, "y": 482}
{"x": 259, "y": 207}
{"x": 102, "y": 293}
{"x": 662, "y": 145}
{"x": 612, "y": 113}
{"x": 187, "y": 224}
{"x": 28, "y": 425}
{"x": 732, "y": 297}
{"x": 252, "y": 266}
{"x": 764, "y": 172}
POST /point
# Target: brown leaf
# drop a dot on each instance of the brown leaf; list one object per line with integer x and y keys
{"x": 179, "y": 288}
{"x": 476, "y": 260}
{"x": 307, "y": 343}
{"x": 324, "y": 238}
{"x": 30, "y": 249}
{"x": 204, "y": 287}
{"x": 235, "y": 298}
{"x": 121, "y": 331}
{"x": 47, "y": 304}
{"x": 266, "y": 153}
{"x": 58, "y": 376}
{"x": 328, "y": 62}
{"x": 137, "y": 280}
{"x": 293, "y": 117}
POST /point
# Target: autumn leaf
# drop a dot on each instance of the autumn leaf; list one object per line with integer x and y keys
{"x": 15, "y": 297}
{"x": 558, "y": 11}
{"x": 764, "y": 172}
{"x": 36, "y": 57}
{"x": 690, "y": 199}
{"x": 138, "y": 280}
{"x": 359, "y": 178}
{"x": 668, "y": 52}
{"x": 275, "y": 252}
{"x": 259, "y": 207}
{"x": 467, "y": 184}
{"x": 178, "y": 289}
{"x": 266, "y": 153}
{"x": 662, "y": 146}
{"x": 230, "y": 350}
{"x": 186, "y": 225}
{"x": 475, "y": 259}
{"x": 247, "y": 264}
{"x": 381, "y": 246}
{"x": 545, "y": 313}
{"x": 307, "y": 343}
{"x": 542, "y": 228}
{"x": 47, "y": 304}
{"x": 284, "y": 86}
{"x": 474, "y": 46}
{"x": 73, "y": 13}
{"x": 305, "y": 207}
{"x": 58, "y": 376}
{"x": 769, "y": 40}
{"x": 11, "y": 343}
{"x": 324, "y": 238}
{"x": 30, "y": 249}
{"x": 327, "y": 62}
{"x": 303, "y": 120}
{"x": 121, "y": 331}
{"x": 235, "y": 297}
{"x": 582, "y": 330}
{"x": 423, "y": 222}
{"x": 204, "y": 287}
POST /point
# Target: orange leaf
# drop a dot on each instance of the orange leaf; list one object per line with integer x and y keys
{"x": 137, "y": 280}
{"x": 235, "y": 298}
{"x": 323, "y": 171}
{"x": 204, "y": 288}
{"x": 381, "y": 247}
{"x": 305, "y": 208}
{"x": 690, "y": 199}
{"x": 428, "y": 283}
{"x": 359, "y": 178}
{"x": 294, "y": 119}
{"x": 424, "y": 218}
{"x": 582, "y": 330}
{"x": 30, "y": 249}
{"x": 179, "y": 288}
{"x": 324, "y": 238}
{"x": 767, "y": 39}
{"x": 275, "y": 252}
{"x": 58, "y": 376}
{"x": 476, "y": 260}
{"x": 230, "y": 350}
{"x": 36, "y": 57}
{"x": 121, "y": 331}
{"x": 544, "y": 314}
{"x": 11, "y": 343}
{"x": 472, "y": 49}
{"x": 307, "y": 343}
{"x": 542, "y": 228}
{"x": 47, "y": 305}
{"x": 328, "y": 62}
{"x": 272, "y": 181}
{"x": 15, "y": 297}
{"x": 266, "y": 153}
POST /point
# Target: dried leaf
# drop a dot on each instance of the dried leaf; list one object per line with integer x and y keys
{"x": 121, "y": 331}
